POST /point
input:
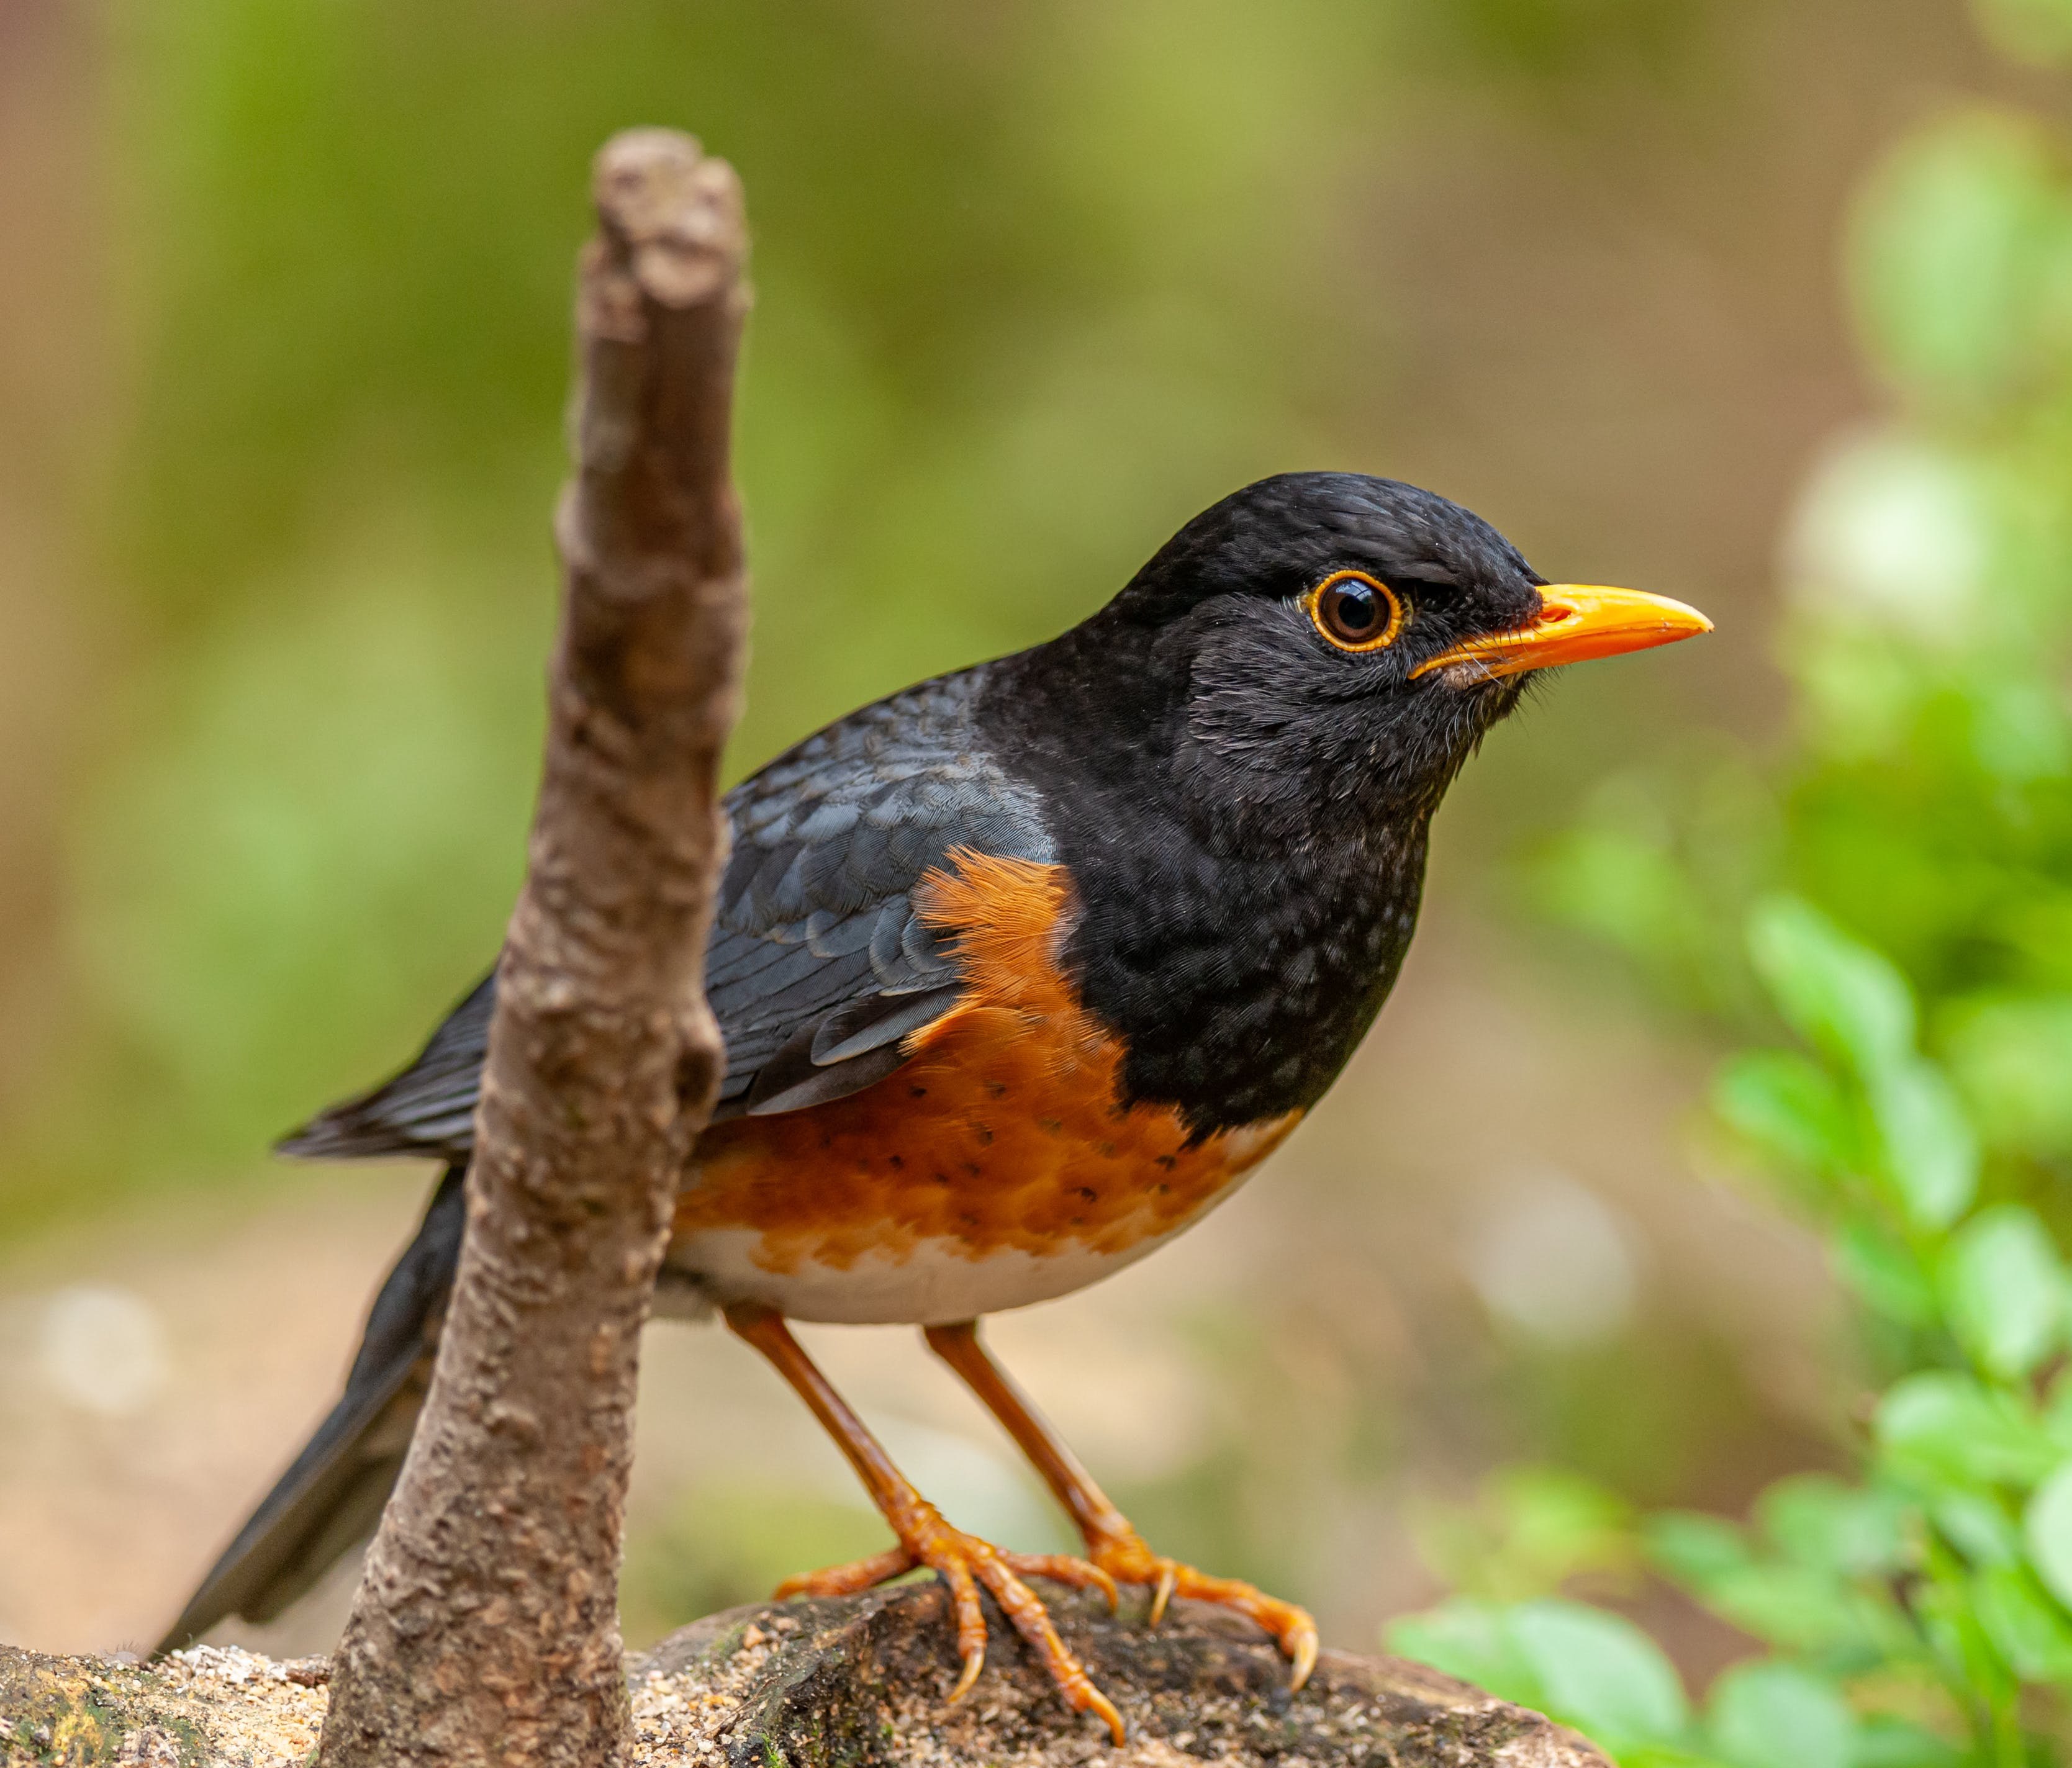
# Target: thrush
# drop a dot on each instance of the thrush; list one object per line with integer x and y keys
{"x": 1020, "y": 972}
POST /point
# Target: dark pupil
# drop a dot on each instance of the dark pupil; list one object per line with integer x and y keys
{"x": 1355, "y": 609}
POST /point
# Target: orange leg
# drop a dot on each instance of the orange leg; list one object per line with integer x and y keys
{"x": 963, "y": 1561}
{"x": 1113, "y": 1542}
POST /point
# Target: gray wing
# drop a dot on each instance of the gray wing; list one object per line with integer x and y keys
{"x": 819, "y": 969}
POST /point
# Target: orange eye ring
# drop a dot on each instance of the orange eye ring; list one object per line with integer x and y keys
{"x": 1354, "y": 612}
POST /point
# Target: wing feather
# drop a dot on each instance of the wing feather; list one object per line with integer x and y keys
{"x": 819, "y": 968}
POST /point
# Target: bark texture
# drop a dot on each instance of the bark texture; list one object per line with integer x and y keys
{"x": 852, "y": 1682}
{"x": 486, "y": 1627}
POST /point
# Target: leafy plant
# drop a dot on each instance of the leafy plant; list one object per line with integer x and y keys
{"x": 1903, "y": 875}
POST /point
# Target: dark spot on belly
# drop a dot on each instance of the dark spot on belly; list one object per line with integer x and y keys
{"x": 1087, "y": 1193}
{"x": 983, "y": 1135}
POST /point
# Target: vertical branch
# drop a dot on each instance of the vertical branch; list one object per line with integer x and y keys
{"x": 487, "y": 1627}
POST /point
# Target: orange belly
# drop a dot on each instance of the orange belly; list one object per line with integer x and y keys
{"x": 993, "y": 1169}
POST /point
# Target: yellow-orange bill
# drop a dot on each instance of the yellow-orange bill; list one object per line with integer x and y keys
{"x": 1578, "y": 620}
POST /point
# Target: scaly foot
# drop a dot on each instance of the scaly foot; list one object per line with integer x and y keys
{"x": 1129, "y": 1561}
{"x": 963, "y": 1562}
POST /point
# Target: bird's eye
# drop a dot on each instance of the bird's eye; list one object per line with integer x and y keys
{"x": 1355, "y": 612}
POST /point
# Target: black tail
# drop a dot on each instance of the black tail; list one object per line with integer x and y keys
{"x": 330, "y": 1498}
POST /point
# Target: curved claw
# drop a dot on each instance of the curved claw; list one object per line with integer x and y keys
{"x": 1168, "y": 1575}
{"x": 963, "y": 1562}
{"x": 1024, "y": 1609}
{"x": 1130, "y": 1561}
{"x": 1301, "y": 1649}
{"x": 955, "y": 1570}
{"x": 973, "y": 1663}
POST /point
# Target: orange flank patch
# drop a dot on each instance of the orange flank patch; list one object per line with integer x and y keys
{"x": 1001, "y": 1133}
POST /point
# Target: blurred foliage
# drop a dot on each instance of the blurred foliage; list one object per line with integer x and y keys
{"x": 987, "y": 374}
{"x": 725, "y": 1544}
{"x": 1036, "y": 282}
{"x": 1904, "y": 874}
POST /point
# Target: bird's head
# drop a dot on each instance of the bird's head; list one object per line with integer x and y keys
{"x": 1327, "y": 633}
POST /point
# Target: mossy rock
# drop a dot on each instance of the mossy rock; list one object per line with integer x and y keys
{"x": 857, "y": 1682}
{"x": 861, "y": 1682}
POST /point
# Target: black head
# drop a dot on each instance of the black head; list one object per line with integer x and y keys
{"x": 1296, "y": 626}
{"x": 1239, "y": 756}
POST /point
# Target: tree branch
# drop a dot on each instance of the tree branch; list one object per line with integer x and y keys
{"x": 486, "y": 1626}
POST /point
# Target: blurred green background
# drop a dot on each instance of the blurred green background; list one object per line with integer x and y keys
{"x": 1766, "y": 305}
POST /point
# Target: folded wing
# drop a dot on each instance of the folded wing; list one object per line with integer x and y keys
{"x": 819, "y": 969}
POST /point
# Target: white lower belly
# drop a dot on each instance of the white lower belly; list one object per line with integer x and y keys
{"x": 938, "y": 1281}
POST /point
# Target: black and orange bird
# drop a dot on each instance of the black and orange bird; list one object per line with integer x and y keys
{"x": 1020, "y": 972}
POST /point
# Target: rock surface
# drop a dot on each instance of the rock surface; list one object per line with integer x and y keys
{"x": 853, "y": 1683}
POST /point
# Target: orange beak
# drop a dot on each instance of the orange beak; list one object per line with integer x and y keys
{"x": 1578, "y": 620}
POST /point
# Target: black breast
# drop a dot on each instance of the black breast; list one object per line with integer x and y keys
{"x": 1238, "y": 937}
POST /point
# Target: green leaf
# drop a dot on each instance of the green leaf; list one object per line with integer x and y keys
{"x": 1795, "y": 1608}
{"x": 1470, "y": 1639}
{"x": 1601, "y": 1673}
{"x": 1930, "y": 1154}
{"x": 1883, "y": 1272}
{"x": 1886, "y": 1742}
{"x": 2047, "y": 1528}
{"x": 1621, "y": 886}
{"x": 1696, "y": 1550}
{"x": 1949, "y": 1427}
{"x": 1959, "y": 257}
{"x": 1763, "y": 1715}
{"x": 1556, "y": 1524}
{"x": 1977, "y": 1528}
{"x": 2011, "y": 1055}
{"x": 2026, "y": 1627}
{"x": 1788, "y": 1109}
{"x": 2005, "y": 1290}
{"x": 1817, "y": 1521}
{"x": 1839, "y": 994}
{"x": 1804, "y": 1606}
{"x": 2057, "y": 1409}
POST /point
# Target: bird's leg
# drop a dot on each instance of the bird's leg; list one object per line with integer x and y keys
{"x": 1113, "y": 1542}
{"x": 963, "y": 1562}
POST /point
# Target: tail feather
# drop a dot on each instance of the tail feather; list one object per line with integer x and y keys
{"x": 331, "y": 1497}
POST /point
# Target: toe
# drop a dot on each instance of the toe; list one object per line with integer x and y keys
{"x": 1129, "y": 1561}
{"x": 1065, "y": 1569}
{"x": 1292, "y": 1628}
{"x": 1024, "y": 1609}
{"x": 955, "y": 1575}
{"x": 860, "y": 1575}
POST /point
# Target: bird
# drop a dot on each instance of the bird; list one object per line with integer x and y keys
{"x": 1019, "y": 972}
